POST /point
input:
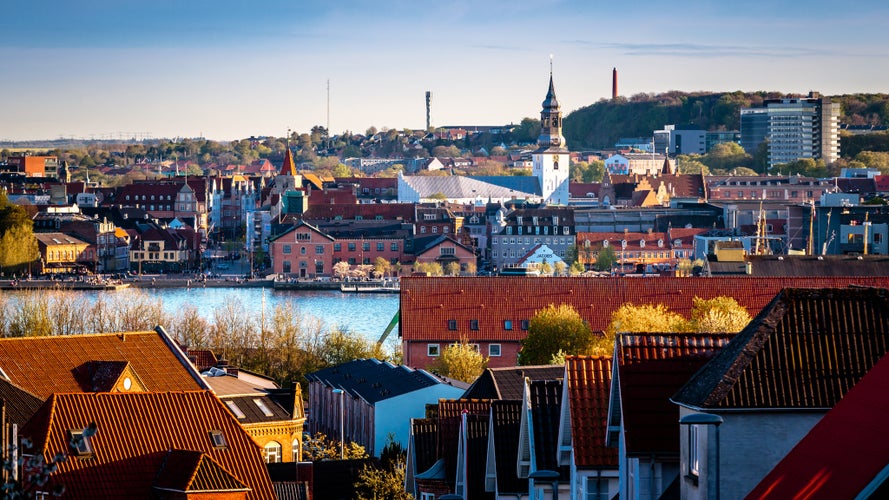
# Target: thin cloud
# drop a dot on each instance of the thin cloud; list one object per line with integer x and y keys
{"x": 695, "y": 50}
{"x": 505, "y": 48}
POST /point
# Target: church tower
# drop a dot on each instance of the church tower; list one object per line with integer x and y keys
{"x": 550, "y": 159}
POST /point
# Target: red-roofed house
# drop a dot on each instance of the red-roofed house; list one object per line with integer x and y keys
{"x": 171, "y": 445}
{"x": 495, "y": 312}
{"x": 593, "y": 465}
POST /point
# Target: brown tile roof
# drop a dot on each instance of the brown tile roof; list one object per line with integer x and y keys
{"x": 44, "y": 365}
{"x": 425, "y": 440}
{"x": 136, "y": 432}
{"x": 475, "y": 455}
{"x": 805, "y": 350}
{"x": 449, "y": 413}
{"x": 18, "y": 403}
{"x": 202, "y": 359}
{"x": 509, "y": 382}
{"x": 651, "y": 367}
{"x": 589, "y": 385}
{"x": 427, "y": 304}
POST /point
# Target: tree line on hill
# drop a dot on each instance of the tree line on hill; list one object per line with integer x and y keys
{"x": 601, "y": 124}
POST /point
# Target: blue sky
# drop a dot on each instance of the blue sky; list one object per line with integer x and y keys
{"x": 229, "y": 69}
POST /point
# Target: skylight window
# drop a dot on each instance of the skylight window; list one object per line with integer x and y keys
{"x": 234, "y": 408}
{"x": 79, "y": 439}
{"x": 218, "y": 439}
{"x": 263, "y": 408}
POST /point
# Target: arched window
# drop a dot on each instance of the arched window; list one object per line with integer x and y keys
{"x": 272, "y": 452}
{"x": 297, "y": 455}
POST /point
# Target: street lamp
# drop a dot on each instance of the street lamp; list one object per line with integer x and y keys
{"x": 342, "y": 421}
{"x": 706, "y": 419}
{"x": 547, "y": 475}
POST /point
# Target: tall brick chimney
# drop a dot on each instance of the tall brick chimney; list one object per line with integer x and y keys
{"x": 614, "y": 83}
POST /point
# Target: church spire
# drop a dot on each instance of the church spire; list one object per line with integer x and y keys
{"x": 288, "y": 168}
{"x": 551, "y": 118}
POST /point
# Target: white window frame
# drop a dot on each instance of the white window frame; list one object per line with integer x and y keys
{"x": 694, "y": 455}
{"x": 494, "y": 350}
{"x": 433, "y": 350}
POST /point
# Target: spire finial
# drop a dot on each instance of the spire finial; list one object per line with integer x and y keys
{"x": 550, "y": 65}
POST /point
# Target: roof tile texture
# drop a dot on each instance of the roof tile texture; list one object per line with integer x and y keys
{"x": 135, "y": 432}
{"x": 44, "y": 365}
{"x": 428, "y": 303}
{"x": 588, "y": 379}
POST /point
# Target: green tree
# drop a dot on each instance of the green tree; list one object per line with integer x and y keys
{"x": 385, "y": 481}
{"x": 18, "y": 246}
{"x": 461, "y": 361}
{"x": 382, "y": 267}
{"x": 606, "y": 259}
{"x": 552, "y": 329}
{"x": 560, "y": 268}
{"x": 452, "y": 269}
{"x": 727, "y": 156}
{"x": 576, "y": 269}
{"x": 321, "y": 447}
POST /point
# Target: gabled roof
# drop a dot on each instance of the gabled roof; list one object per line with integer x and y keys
{"x": 188, "y": 471}
{"x": 428, "y": 303}
{"x": 136, "y": 432}
{"x": 805, "y": 350}
{"x": 288, "y": 167}
{"x": 844, "y": 453}
{"x": 506, "y": 423}
{"x": 650, "y": 368}
{"x": 473, "y": 444}
{"x": 18, "y": 403}
{"x": 545, "y": 398}
{"x": 509, "y": 382}
{"x": 373, "y": 380}
{"x": 299, "y": 225}
{"x": 449, "y": 413}
{"x": 424, "y": 443}
{"x": 44, "y": 365}
{"x": 588, "y": 380}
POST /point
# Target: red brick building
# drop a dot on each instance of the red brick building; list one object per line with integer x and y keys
{"x": 303, "y": 252}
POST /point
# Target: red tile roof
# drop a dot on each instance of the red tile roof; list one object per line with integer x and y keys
{"x": 288, "y": 167}
{"x": 428, "y": 303}
{"x": 195, "y": 472}
{"x": 136, "y": 432}
{"x": 843, "y": 453}
{"x": 651, "y": 368}
{"x": 44, "y": 365}
{"x": 589, "y": 385}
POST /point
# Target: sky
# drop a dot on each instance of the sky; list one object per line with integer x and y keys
{"x": 227, "y": 69}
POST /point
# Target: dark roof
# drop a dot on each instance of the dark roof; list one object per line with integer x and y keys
{"x": 822, "y": 265}
{"x": 546, "y": 413}
{"x": 845, "y": 450}
{"x": 507, "y": 423}
{"x": 373, "y": 380}
{"x": 252, "y": 413}
{"x": 449, "y": 421}
{"x": 425, "y": 436}
{"x": 805, "y": 350}
{"x": 475, "y": 454}
{"x": 589, "y": 386}
{"x": 19, "y": 404}
{"x": 194, "y": 472}
{"x": 651, "y": 367}
{"x": 509, "y": 382}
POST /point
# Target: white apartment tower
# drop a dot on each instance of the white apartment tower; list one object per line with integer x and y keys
{"x": 550, "y": 159}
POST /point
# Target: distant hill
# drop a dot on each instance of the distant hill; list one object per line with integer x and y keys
{"x": 603, "y": 123}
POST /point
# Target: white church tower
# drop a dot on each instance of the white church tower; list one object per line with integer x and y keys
{"x": 551, "y": 157}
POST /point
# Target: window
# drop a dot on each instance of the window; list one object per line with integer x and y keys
{"x": 365, "y": 246}
{"x": 473, "y": 324}
{"x": 218, "y": 439}
{"x": 694, "y": 459}
{"x": 234, "y": 408}
{"x": 493, "y": 350}
{"x": 263, "y": 408}
{"x": 452, "y": 324}
{"x": 422, "y": 229}
{"x": 296, "y": 453}
{"x": 302, "y": 250}
{"x": 287, "y": 249}
{"x": 380, "y": 246}
{"x": 525, "y": 324}
{"x": 507, "y": 324}
{"x": 432, "y": 350}
{"x": 79, "y": 439}
{"x": 447, "y": 251}
{"x": 272, "y": 452}
{"x": 394, "y": 246}
{"x": 319, "y": 249}
{"x": 337, "y": 247}
{"x": 352, "y": 247}
{"x": 427, "y": 496}
{"x": 434, "y": 229}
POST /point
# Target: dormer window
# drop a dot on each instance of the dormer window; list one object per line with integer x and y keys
{"x": 677, "y": 243}
{"x": 218, "y": 439}
{"x": 660, "y": 243}
{"x": 604, "y": 244}
{"x": 641, "y": 243}
{"x": 234, "y": 408}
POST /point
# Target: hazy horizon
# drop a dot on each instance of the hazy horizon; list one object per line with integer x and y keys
{"x": 229, "y": 70}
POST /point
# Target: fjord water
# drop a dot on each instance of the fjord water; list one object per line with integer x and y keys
{"x": 365, "y": 314}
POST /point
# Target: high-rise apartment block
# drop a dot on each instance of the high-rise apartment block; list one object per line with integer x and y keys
{"x": 795, "y": 128}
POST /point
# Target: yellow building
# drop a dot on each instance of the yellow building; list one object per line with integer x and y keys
{"x": 275, "y": 423}
{"x": 61, "y": 253}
